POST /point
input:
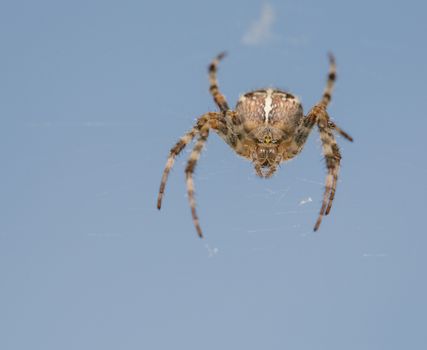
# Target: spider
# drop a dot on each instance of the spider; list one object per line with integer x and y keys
{"x": 267, "y": 127}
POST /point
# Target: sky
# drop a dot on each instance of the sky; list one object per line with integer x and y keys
{"x": 93, "y": 96}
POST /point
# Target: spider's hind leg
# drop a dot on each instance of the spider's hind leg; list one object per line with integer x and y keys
{"x": 213, "y": 88}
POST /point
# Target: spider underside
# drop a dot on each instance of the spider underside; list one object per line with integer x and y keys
{"x": 267, "y": 127}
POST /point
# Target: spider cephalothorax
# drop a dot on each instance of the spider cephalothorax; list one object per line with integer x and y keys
{"x": 267, "y": 127}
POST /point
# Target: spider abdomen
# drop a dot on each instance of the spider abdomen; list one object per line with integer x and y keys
{"x": 269, "y": 107}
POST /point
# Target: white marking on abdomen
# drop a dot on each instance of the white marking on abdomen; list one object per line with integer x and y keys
{"x": 268, "y": 106}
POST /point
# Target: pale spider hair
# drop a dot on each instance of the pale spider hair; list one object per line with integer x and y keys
{"x": 267, "y": 127}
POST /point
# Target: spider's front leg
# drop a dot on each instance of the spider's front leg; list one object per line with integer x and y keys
{"x": 318, "y": 115}
{"x": 218, "y": 97}
{"x": 217, "y": 122}
{"x": 333, "y": 159}
{"x": 189, "y": 170}
{"x": 204, "y": 124}
{"x": 173, "y": 153}
{"x": 331, "y": 152}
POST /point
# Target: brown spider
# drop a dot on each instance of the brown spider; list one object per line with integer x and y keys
{"x": 267, "y": 127}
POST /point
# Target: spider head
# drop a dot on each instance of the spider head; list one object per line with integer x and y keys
{"x": 266, "y": 152}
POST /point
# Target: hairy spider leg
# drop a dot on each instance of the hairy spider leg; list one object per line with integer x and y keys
{"x": 332, "y": 76}
{"x": 175, "y": 150}
{"x": 332, "y": 158}
{"x": 212, "y": 119}
{"x": 318, "y": 115}
{"x": 189, "y": 170}
{"x": 213, "y": 87}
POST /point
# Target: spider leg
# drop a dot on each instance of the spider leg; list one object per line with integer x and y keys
{"x": 213, "y": 88}
{"x": 179, "y": 146}
{"x": 340, "y": 131}
{"x": 332, "y": 76}
{"x": 327, "y": 95}
{"x": 332, "y": 158}
{"x": 189, "y": 170}
{"x": 318, "y": 115}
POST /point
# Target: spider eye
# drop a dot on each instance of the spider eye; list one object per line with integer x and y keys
{"x": 267, "y": 139}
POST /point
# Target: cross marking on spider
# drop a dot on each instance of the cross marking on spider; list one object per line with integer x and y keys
{"x": 267, "y": 127}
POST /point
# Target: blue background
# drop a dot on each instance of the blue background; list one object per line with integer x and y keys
{"x": 94, "y": 94}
